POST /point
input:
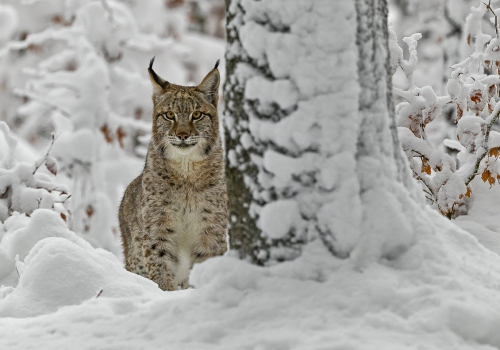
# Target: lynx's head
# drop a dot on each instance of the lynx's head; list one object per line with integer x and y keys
{"x": 185, "y": 119}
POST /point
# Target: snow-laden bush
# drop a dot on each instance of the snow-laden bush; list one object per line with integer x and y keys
{"x": 23, "y": 188}
{"x": 473, "y": 89}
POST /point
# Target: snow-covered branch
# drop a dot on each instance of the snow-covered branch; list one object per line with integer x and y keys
{"x": 473, "y": 88}
{"x": 23, "y": 189}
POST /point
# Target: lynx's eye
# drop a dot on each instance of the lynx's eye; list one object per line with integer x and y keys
{"x": 169, "y": 115}
{"x": 196, "y": 115}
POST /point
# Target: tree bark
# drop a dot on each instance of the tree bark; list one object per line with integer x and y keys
{"x": 244, "y": 235}
{"x": 311, "y": 141}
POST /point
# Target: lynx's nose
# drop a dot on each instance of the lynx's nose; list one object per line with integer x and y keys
{"x": 182, "y": 136}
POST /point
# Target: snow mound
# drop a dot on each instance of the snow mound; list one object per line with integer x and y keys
{"x": 489, "y": 239}
{"x": 24, "y": 232}
{"x": 481, "y": 219}
{"x": 54, "y": 267}
{"x": 21, "y": 233}
{"x": 441, "y": 294}
{"x": 60, "y": 272}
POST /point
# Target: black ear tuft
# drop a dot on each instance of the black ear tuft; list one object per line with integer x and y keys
{"x": 155, "y": 77}
{"x": 210, "y": 86}
{"x": 216, "y": 63}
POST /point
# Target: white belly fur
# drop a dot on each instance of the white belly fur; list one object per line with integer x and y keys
{"x": 183, "y": 267}
{"x": 188, "y": 229}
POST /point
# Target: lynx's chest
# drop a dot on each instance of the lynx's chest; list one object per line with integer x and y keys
{"x": 188, "y": 224}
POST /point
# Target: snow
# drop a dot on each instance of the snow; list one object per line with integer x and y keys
{"x": 395, "y": 51}
{"x": 24, "y": 152}
{"x": 106, "y": 25}
{"x": 58, "y": 272}
{"x": 338, "y": 216}
{"x": 284, "y": 167}
{"x": 276, "y": 219}
{"x": 301, "y": 120}
{"x": 398, "y": 282}
{"x": 280, "y": 91}
{"x": 22, "y": 233}
{"x": 469, "y": 131}
{"x": 24, "y": 188}
{"x": 440, "y": 294}
{"x": 488, "y": 238}
{"x": 288, "y": 132}
{"x": 481, "y": 220}
{"x": 84, "y": 138}
{"x": 9, "y": 22}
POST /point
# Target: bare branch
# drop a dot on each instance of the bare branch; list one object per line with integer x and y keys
{"x": 41, "y": 160}
{"x": 485, "y": 149}
{"x": 55, "y": 107}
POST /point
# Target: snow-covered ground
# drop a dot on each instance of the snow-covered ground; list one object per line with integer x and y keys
{"x": 482, "y": 219}
{"x": 441, "y": 294}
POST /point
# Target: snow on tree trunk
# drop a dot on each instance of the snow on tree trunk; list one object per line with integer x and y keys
{"x": 311, "y": 142}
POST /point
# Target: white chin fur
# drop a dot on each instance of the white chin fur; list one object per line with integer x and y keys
{"x": 183, "y": 151}
{"x": 191, "y": 154}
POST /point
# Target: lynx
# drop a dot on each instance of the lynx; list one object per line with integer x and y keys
{"x": 175, "y": 213}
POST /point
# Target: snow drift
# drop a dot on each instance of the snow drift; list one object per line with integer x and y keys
{"x": 441, "y": 294}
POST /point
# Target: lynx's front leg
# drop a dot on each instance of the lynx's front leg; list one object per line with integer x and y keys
{"x": 212, "y": 240}
{"x": 160, "y": 262}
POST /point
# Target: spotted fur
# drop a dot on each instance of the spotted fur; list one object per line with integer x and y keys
{"x": 175, "y": 213}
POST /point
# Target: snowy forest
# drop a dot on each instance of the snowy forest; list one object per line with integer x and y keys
{"x": 361, "y": 141}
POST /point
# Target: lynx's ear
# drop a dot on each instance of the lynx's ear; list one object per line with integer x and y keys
{"x": 159, "y": 84}
{"x": 210, "y": 85}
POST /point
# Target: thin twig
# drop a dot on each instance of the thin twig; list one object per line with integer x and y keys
{"x": 68, "y": 197}
{"x": 418, "y": 177}
{"x": 485, "y": 147}
{"x": 71, "y": 88}
{"x": 40, "y": 161}
{"x": 109, "y": 11}
{"x": 488, "y": 6}
{"x": 41, "y": 100}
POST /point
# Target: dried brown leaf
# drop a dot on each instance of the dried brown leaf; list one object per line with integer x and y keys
{"x": 426, "y": 168}
{"x": 468, "y": 193}
{"x": 107, "y": 134}
{"x": 476, "y": 98}
{"x": 460, "y": 113}
{"x": 120, "y": 135}
{"x": 485, "y": 175}
{"x": 494, "y": 152}
{"x": 89, "y": 210}
{"x": 52, "y": 165}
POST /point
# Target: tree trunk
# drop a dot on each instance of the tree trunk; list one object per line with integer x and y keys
{"x": 311, "y": 142}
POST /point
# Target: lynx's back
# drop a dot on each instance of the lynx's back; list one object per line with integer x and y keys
{"x": 175, "y": 213}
